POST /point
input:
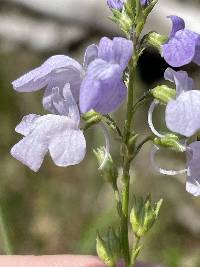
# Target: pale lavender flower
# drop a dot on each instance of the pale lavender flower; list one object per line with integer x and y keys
{"x": 57, "y": 134}
{"x": 103, "y": 88}
{"x": 183, "y": 45}
{"x": 102, "y": 71}
{"x": 182, "y": 114}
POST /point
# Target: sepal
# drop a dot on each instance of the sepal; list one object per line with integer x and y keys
{"x": 163, "y": 93}
{"x": 170, "y": 141}
{"x": 130, "y": 9}
{"x": 108, "y": 169}
{"x": 150, "y": 7}
{"x": 143, "y": 215}
{"x": 91, "y": 117}
{"x": 154, "y": 39}
{"x": 109, "y": 248}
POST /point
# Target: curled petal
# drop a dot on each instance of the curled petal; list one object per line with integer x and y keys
{"x": 180, "y": 50}
{"x": 27, "y": 124}
{"x": 91, "y": 54}
{"x": 150, "y": 118}
{"x": 99, "y": 85}
{"x": 39, "y": 77}
{"x": 182, "y": 115}
{"x": 154, "y": 151}
{"x": 107, "y": 145}
{"x": 181, "y": 79}
{"x": 177, "y": 24}
{"x": 193, "y": 175}
{"x": 47, "y": 132}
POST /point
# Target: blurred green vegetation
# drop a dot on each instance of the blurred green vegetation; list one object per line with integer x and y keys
{"x": 58, "y": 210}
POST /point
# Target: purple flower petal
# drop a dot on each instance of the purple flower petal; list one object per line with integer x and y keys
{"x": 116, "y": 98}
{"x": 105, "y": 49}
{"x": 68, "y": 148}
{"x": 180, "y": 50}
{"x": 39, "y": 77}
{"x": 55, "y": 88}
{"x": 116, "y": 4}
{"x": 182, "y": 115}
{"x": 180, "y": 78}
{"x": 177, "y": 24}
{"x": 196, "y": 58}
{"x": 99, "y": 85}
{"x": 118, "y": 51}
{"x": 91, "y": 54}
{"x": 122, "y": 51}
{"x": 47, "y": 132}
{"x": 193, "y": 177}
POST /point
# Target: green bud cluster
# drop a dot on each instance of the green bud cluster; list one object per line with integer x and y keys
{"x": 143, "y": 215}
{"x": 132, "y": 16}
{"x": 170, "y": 141}
{"x": 163, "y": 93}
{"x": 108, "y": 169}
{"x": 109, "y": 248}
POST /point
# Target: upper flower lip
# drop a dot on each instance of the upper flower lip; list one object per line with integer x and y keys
{"x": 39, "y": 77}
{"x": 104, "y": 76}
{"x": 182, "y": 46}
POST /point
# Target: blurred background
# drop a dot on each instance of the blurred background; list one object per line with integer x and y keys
{"x": 58, "y": 210}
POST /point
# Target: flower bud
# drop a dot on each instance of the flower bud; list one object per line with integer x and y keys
{"x": 106, "y": 165}
{"x": 109, "y": 248}
{"x": 163, "y": 93}
{"x": 104, "y": 252}
{"x": 114, "y": 243}
{"x": 170, "y": 141}
{"x": 143, "y": 215}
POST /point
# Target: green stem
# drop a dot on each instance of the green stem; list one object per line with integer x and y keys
{"x": 139, "y": 147}
{"x": 135, "y": 251}
{"x": 141, "y": 100}
{"x": 112, "y": 123}
{"x": 5, "y": 234}
{"x": 126, "y": 162}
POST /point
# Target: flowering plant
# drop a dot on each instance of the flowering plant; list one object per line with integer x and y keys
{"x": 78, "y": 96}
